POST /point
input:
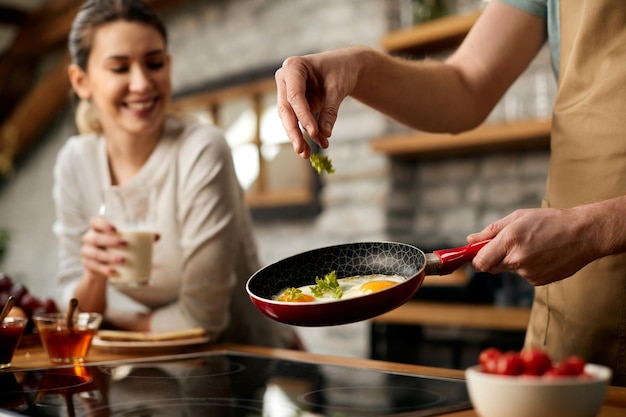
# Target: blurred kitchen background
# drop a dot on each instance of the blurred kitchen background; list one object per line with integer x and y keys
{"x": 390, "y": 183}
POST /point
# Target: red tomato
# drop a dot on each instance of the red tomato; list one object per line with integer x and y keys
{"x": 572, "y": 365}
{"x": 509, "y": 363}
{"x": 536, "y": 361}
{"x": 554, "y": 373}
{"x": 530, "y": 362}
{"x": 488, "y": 359}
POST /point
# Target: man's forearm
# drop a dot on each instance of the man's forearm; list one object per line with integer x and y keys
{"x": 604, "y": 223}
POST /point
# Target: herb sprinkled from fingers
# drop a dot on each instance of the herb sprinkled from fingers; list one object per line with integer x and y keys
{"x": 321, "y": 163}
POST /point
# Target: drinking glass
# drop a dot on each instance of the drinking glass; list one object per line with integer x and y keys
{"x": 67, "y": 341}
{"x": 11, "y": 330}
{"x": 132, "y": 212}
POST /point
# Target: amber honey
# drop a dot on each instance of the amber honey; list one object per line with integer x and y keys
{"x": 67, "y": 342}
{"x": 67, "y": 345}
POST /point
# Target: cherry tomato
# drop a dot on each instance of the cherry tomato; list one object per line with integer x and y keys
{"x": 536, "y": 361}
{"x": 572, "y": 366}
{"x": 553, "y": 373}
{"x": 531, "y": 362}
{"x": 488, "y": 359}
{"x": 509, "y": 363}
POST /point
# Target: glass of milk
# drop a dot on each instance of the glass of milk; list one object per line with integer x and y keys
{"x": 132, "y": 212}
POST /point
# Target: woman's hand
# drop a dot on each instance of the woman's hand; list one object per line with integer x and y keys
{"x": 95, "y": 257}
{"x": 542, "y": 245}
{"x": 99, "y": 264}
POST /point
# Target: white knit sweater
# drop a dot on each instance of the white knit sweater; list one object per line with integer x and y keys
{"x": 206, "y": 251}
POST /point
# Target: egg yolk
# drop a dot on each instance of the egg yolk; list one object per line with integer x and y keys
{"x": 302, "y": 298}
{"x": 375, "y": 286}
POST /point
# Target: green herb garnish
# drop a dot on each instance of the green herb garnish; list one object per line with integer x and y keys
{"x": 321, "y": 163}
{"x": 328, "y": 284}
{"x": 291, "y": 294}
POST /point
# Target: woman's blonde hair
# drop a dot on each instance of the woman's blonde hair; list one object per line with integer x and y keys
{"x": 86, "y": 119}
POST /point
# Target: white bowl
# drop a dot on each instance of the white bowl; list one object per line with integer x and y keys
{"x": 518, "y": 396}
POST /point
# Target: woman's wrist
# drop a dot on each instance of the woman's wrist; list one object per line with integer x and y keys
{"x": 91, "y": 292}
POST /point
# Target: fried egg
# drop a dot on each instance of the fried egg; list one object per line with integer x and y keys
{"x": 367, "y": 284}
{"x": 351, "y": 287}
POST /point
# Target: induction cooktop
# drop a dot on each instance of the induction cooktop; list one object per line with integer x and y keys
{"x": 225, "y": 384}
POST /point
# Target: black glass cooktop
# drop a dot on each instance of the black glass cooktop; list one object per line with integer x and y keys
{"x": 225, "y": 385}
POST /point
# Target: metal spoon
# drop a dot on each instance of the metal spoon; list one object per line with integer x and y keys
{"x": 7, "y": 307}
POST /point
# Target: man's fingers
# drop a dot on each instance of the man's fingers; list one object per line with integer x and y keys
{"x": 288, "y": 118}
{"x": 490, "y": 258}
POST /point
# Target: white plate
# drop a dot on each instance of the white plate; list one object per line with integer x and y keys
{"x": 146, "y": 345}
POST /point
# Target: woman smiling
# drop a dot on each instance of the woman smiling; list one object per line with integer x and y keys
{"x": 206, "y": 250}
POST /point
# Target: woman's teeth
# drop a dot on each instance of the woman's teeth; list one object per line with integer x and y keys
{"x": 144, "y": 105}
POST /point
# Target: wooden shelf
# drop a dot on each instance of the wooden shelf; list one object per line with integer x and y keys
{"x": 279, "y": 198}
{"x": 513, "y": 136}
{"x": 430, "y": 36}
{"x": 434, "y": 36}
{"x": 476, "y": 316}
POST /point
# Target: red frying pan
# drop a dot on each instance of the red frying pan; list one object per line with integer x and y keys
{"x": 364, "y": 258}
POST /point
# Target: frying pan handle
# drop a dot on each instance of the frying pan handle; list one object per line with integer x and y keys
{"x": 452, "y": 259}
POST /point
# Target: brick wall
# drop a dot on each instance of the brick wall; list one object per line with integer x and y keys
{"x": 237, "y": 36}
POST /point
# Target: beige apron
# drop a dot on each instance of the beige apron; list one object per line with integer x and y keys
{"x": 586, "y": 313}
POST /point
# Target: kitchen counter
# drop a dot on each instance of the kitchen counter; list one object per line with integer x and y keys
{"x": 34, "y": 357}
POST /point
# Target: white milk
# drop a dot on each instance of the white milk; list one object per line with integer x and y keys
{"x": 137, "y": 268}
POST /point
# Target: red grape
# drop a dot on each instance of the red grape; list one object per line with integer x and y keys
{"x": 29, "y": 303}
{"x": 18, "y": 290}
{"x": 4, "y": 297}
{"x": 49, "y": 305}
{"x": 5, "y": 282}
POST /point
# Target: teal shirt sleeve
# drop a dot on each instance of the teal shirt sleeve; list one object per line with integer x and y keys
{"x": 549, "y": 10}
{"x": 535, "y": 7}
